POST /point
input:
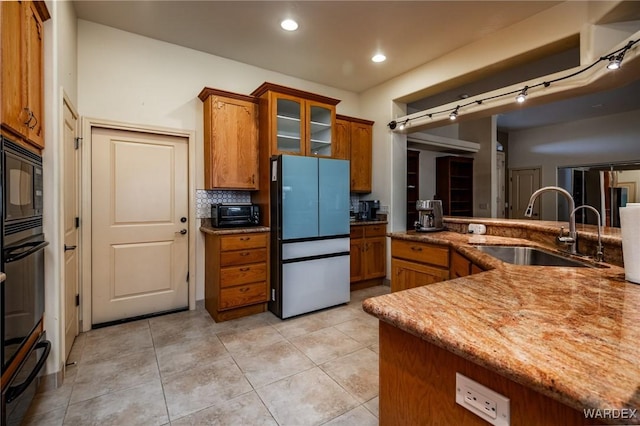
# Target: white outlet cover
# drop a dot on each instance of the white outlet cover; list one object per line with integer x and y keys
{"x": 465, "y": 384}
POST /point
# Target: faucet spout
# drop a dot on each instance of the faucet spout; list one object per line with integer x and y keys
{"x": 599, "y": 254}
{"x": 571, "y": 240}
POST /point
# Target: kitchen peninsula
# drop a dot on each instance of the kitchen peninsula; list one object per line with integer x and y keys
{"x": 554, "y": 340}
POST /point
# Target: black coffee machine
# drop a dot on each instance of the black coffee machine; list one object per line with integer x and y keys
{"x": 369, "y": 210}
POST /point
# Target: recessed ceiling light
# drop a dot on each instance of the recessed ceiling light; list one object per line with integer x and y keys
{"x": 379, "y": 57}
{"x": 289, "y": 25}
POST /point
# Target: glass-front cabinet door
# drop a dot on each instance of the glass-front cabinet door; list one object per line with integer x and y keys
{"x": 289, "y": 126}
{"x": 320, "y": 129}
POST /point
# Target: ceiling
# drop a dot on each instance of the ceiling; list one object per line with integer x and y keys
{"x": 336, "y": 40}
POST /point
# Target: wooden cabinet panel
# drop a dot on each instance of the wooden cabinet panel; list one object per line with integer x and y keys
{"x": 244, "y": 241}
{"x": 236, "y": 274}
{"x": 230, "y": 140}
{"x": 342, "y": 148}
{"x": 420, "y": 252}
{"x": 361, "y": 157}
{"x": 406, "y": 275}
{"x": 243, "y": 295}
{"x": 35, "y": 76}
{"x": 241, "y": 257}
{"x": 243, "y": 274}
{"x": 368, "y": 254}
{"x": 375, "y": 258}
{"x": 461, "y": 266}
{"x": 22, "y": 74}
{"x": 356, "y": 260}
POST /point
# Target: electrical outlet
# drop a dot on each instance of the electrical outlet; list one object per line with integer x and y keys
{"x": 477, "y": 228}
{"x": 482, "y": 401}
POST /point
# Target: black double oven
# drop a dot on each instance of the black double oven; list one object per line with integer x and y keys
{"x": 24, "y": 348}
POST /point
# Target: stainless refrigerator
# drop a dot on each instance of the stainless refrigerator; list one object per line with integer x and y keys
{"x": 309, "y": 234}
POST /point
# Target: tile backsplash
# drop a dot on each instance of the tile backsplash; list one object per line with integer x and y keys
{"x": 205, "y": 197}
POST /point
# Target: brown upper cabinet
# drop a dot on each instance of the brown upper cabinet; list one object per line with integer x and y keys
{"x": 230, "y": 140}
{"x": 22, "y": 72}
{"x": 355, "y": 139}
{"x": 295, "y": 122}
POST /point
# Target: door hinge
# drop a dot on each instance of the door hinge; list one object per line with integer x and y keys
{"x": 76, "y": 143}
{"x": 273, "y": 294}
{"x": 77, "y": 300}
{"x": 77, "y": 222}
{"x": 187, "y": 276}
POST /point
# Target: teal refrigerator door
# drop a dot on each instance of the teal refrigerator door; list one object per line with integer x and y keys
{"x": 333, "y": 183}
{"x": 299, "y": 197}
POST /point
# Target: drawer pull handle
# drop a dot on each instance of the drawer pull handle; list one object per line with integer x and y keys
{"x": 244, "y": 269}
{"x": 244, "y": 289}
{"x": 244, "y": 253}
{"x": 245, "y": 238}
{"x": 414, "y": 248}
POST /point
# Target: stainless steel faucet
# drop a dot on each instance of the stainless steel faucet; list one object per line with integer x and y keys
{"x": 569, "y": 241}
{"x": 599, "y": 254}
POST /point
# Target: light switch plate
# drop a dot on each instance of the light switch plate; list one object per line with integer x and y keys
{"x": 477, "y": 228}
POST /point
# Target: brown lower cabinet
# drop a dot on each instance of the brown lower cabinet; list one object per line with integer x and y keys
{"x": 368, "y": 255}
{"x": 461, "y": 266}
{"x": 236, "y": 274}
{"x": 418, "y": 387}
{"x": 414, "y": 264}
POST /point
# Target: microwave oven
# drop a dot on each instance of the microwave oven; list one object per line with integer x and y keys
{"x": 22, "y": 182}
{"x": 234, "y": 215}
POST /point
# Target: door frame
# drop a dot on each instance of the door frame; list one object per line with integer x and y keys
{"x": 88, "y": 123}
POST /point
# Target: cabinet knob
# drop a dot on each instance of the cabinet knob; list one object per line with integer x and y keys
{"x": 414, "y": 248}
{"x": 244, "y": 269}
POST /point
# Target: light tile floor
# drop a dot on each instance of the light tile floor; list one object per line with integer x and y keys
{"x": 185, "y": 369}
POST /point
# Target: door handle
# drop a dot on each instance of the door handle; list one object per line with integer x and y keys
{"x": 182, "y": 232}
{"x": 67, "y": 248}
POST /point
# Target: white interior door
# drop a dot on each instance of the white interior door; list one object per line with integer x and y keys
{"x": 71, "y": 224}
{"x": 139, "y": 210}
{"x": 523, "y": 183}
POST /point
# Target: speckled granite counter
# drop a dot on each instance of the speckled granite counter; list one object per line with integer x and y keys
{"x": 572, "y": 334}
{"x": 368, "y": 222}
{"x": 208, "y": 229}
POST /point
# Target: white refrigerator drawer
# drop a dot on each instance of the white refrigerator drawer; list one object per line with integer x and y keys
{"x": 314, "y": 284}
{"x": 315, "y": 248}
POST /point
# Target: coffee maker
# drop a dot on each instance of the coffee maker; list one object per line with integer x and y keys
{"x": 429, "y": 216}
{"x": 369, "y": 210}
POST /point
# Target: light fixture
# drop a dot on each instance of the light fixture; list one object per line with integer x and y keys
{"x": 522, "y": 96}
{"x": 378, "y": 57}
{"x": 615, "y": 61}
{"x": 289, "y": 25}
{"x": 454, "y": 113}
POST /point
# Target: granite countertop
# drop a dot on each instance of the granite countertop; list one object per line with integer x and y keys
{"x": 208, "y": 229}
{"x": 368, "y": 222}
{"x": 570, "y": 333}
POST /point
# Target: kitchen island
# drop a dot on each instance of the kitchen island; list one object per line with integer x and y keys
{"x": 555, "y": 340}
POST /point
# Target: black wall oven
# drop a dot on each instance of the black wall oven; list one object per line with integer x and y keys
{"x": 22, "y": 259}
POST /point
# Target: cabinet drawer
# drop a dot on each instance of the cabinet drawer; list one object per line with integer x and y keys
{"x": 244, "y": 274}
{"x": 420, "y": 252}
{"x": 460, "y": 266}
{"x": 243, "y": 241}
{"x": 243, "y": 295}
{"x": 357, "y": 232}
{"x": 241, "y": 257}
{"x": 375, "y": 230}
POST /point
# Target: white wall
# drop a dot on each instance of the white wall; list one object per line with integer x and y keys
{"x": 591, "y": 141}
{"x": 128, "y": 78}
{"x": 60, "y": 60}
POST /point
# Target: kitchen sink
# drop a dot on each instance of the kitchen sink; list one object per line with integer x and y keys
{"x": 520, "y": 255}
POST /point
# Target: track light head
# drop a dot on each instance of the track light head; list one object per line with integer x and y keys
{"x": 615, "y": 62}
{"x": 454, "y": 114}
{"x": 522, "y": 96}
